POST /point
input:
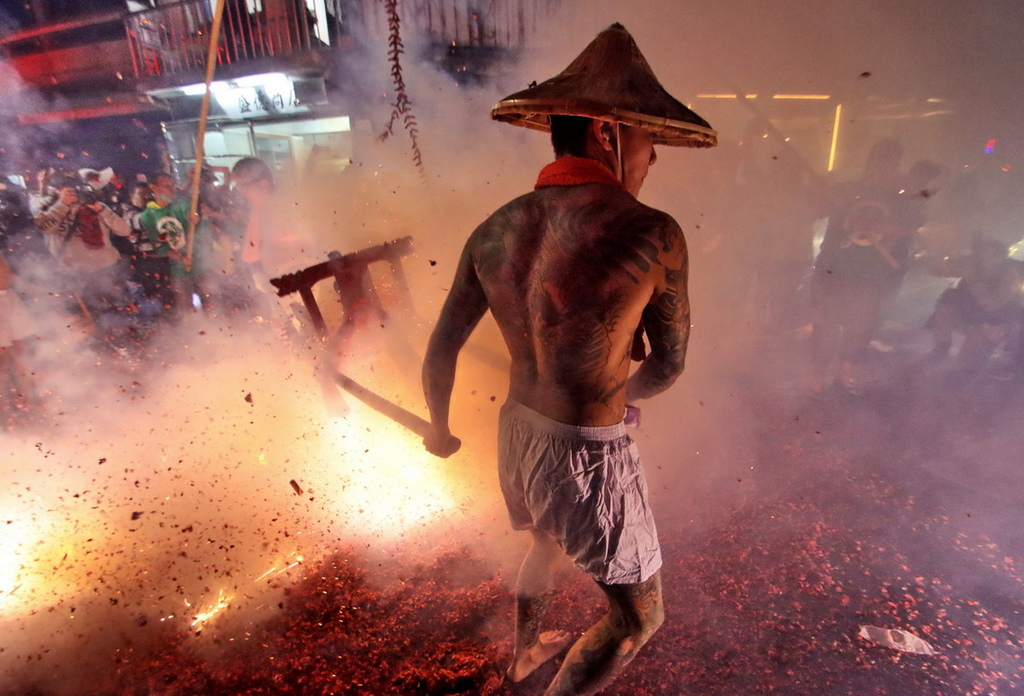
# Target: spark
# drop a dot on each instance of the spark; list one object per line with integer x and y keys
{"x": 274, "y": 570}
{"x": 202, "y": 618}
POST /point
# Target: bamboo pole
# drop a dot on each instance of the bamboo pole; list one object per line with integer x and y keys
{"x": 211, "y": 65}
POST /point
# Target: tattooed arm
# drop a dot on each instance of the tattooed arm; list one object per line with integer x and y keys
{"x": 666, "y": 320}
{"x": 462, "y": 311}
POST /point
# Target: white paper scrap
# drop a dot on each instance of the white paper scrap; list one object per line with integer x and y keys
{"x": 895, "y": 638}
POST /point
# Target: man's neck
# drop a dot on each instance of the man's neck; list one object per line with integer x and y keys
{"x": 574, "y": 171}
{"x": 598, "y": 154}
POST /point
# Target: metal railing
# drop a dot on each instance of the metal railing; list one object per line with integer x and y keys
{"x": 501, "y": 24}
{"x": 172, "y": 39}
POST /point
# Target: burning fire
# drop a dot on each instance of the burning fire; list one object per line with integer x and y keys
{"x": 392, "y": 485}
{"x": 39, "y": 557}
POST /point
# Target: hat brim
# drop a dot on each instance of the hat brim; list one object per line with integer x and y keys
{"x": 534, "y": 113}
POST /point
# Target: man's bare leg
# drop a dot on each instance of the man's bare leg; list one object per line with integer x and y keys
{"x": 635, "y": 612}
{"x": 533, "y": 595}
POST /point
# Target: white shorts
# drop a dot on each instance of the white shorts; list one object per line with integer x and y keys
{"x": 583, "y": 486}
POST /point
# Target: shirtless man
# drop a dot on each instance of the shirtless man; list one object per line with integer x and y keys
{"x": 570, "y": 272}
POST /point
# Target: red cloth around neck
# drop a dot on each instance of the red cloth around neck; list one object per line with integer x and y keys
{"x": 573, "y": 171}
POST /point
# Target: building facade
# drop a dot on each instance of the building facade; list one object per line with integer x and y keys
{"x": 98, "y": 82}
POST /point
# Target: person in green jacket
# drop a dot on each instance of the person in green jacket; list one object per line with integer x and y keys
{"x": 165, "y": 222}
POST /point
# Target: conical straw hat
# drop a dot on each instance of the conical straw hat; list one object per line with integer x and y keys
{"x": 609, "y": 81}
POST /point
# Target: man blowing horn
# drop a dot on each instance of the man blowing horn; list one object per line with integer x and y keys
{"x": 572, "y": 272}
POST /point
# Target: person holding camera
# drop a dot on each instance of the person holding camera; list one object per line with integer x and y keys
{"x": 79, "y": 228}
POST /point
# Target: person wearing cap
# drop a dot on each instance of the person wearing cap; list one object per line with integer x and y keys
{"x": 106, "y": 186}
{"x": 572, "y": 273}
{"x": 102, "y": 184}
{"x": 80, "y": 229}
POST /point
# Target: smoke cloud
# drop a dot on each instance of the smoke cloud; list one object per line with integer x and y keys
{"x": 208, "y": 471}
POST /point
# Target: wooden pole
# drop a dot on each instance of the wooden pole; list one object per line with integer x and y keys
{"x": 403, "y": 417}
{"x": 211, "y": 65}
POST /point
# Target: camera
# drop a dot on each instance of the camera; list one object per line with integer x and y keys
{"x": 87, "y": 196}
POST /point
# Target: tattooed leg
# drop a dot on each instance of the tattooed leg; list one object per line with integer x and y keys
{"x": 635, "y": 612}
{"x": 533, "y": 595}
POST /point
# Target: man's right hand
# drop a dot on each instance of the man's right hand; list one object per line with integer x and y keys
{"x": 442, "y": 445}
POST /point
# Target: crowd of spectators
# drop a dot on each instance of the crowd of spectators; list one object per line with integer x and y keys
{"x": 122, "y": 260}
{"x": 872, "y": 240}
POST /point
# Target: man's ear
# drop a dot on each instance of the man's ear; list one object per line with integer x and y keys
{"x": 603, "y": 134}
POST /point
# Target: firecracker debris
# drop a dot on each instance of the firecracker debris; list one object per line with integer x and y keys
{"x": 767, "y": 599}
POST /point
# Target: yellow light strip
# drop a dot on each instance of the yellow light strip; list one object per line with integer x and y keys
{"x": 802, "y": 96}
{"x": 716, "y": 96}
{"x": 835, "y": 138}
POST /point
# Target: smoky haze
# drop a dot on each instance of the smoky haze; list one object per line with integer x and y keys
{"x": 159, "y": 489}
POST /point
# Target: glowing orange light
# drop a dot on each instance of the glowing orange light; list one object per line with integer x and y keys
{"x": 200, "y": 619}
{"x": 397, "y": 485}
